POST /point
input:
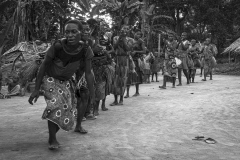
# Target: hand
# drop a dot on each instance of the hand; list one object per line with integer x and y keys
{"x": 34, "y": 96}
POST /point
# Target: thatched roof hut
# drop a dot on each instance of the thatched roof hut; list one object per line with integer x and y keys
{"x": 233, "y": 48}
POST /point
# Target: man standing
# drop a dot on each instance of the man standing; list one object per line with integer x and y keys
{"x": 209, "y": 61}
{"x": 54, "y": 77}
{"x": 183, "y": 56}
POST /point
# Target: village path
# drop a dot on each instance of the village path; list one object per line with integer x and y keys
{"x": 158, "y": 125}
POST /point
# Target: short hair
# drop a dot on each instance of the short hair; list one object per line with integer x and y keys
{"x": 138, "y": 30}
{"x": 185, "y": 33}
{"x": 77, "y": 22}
{"x": 84, "y": 23}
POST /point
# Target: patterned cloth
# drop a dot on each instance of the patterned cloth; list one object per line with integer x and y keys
{"x": 61, "y": 102}
{"x": 183, "y": 56}
{"x": 170, "y": 66}
{"x": 123, "y": 66}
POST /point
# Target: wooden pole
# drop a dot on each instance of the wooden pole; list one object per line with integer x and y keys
{"x": 229, "y": 57}
{"x": 159, "y": 44}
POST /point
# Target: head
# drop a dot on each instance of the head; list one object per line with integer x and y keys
{"x": 125, "y": 30}
{"x": 138, "y": 34}
{"x": 184, "y": 36}
{"x": 73, "y": 30}
{"x": 85, "y": 31}
{"x": 170, "y": 37}
{"x": 208, "y": 41}
{"x": 193, "y": 42}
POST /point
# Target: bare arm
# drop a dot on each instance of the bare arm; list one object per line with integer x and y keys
{"x": 89, "y": 78}
{"x": 47, "y": 61}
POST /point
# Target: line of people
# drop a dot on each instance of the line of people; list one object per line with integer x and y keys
{"x": 83, "y": 68}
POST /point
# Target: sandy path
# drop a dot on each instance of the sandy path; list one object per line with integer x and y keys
{"x": 158, "y": 125}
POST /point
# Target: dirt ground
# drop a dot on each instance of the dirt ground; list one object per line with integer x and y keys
{"x": 158, "y": 125}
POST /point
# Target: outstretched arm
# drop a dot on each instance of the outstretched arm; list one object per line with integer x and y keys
{"x": 89, "y": 75}
{"x": 42, "y": 70}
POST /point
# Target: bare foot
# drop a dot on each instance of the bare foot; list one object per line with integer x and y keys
{"x": 80, "y": 130}
{"x": 91, "y": 117}
{"x": 114, "y": 104}
{"x": 104, "y": 108}
{"x": 96, "y": 113}
{"x": 127, "y": 96}
{"x": 162, "y": 87}
{"x": 136, "y": 94}
{"x": 180, "y": 84}
{"x": 53, "y": 145}
{"x": 120, "y": 103}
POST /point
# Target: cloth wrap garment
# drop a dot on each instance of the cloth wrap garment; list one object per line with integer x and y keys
{"x": 57, "y": 85}
{"x": 170, "y": 66}
{"x": 124, "y": 65}
{"x": 137, "y": 78}
{"x": 103, "y": 71}
{"x": 182, "y": 54}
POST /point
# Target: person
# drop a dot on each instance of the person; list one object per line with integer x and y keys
{"x": 80, "y": 76}
{"x": 137, "y": 54}
{"x": 62, "y": 60}
{"x": 182, "y": 55}
{"x": 103, "y": 71}
{"x": 124, "y": 64}
{"x": 149, "y": 58}
{"x": 209, "y": 61}
{"x": 156, "y": 65}
{"x": 169, "y": 66}
{"x": 194, "y": 59}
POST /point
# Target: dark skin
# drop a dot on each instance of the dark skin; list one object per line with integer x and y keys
{"x": 72, "y": 33}
{"x": 137, "y": 36}
{"x": 192, "y": 71}
{"x": 185, "y": 71}
{"x": 104, "y": 108}
{"x": 122, "y": 38}
{"x": 172, "y": 48}
{"x": 207, "y": 43}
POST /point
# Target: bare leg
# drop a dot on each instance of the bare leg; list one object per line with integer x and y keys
{"x": 96, "y": 108}
{"x": 81, "y": 109}
{"x": 137, "y": 90}
{"x": 121, "y": 100}
{"x": 103, "y": 105}
{"x": 53, "y": 129}
{"x": 115, "y": 101}
{"x": 193, "y": 75}
{"x": 127, "y": 94}
{"x": 152, "y": 77}
{"x": 180, "y": 77}
{"x": 211, "y": 75}
{"x": 201, "y": 72}
{"x": 174, "y": 80}
{"x": 156, "y": 77}
{"x": 164, "y": 83}
{"x": 185, "y": 71}
{"x": 205, "y": 75}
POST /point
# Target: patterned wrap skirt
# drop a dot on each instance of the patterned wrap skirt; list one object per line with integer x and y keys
{"x": 182, "y": 55}
{"x": 134, "y": 78}
{"x": 61, "y": 102}
{"x": 121, "y": 74}
{"x": 170, "y": 67}
{"x": 104, "y": 79}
